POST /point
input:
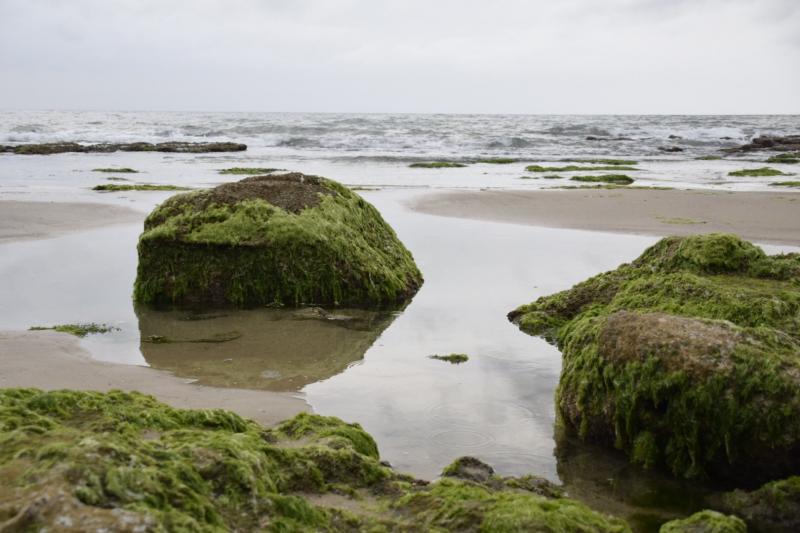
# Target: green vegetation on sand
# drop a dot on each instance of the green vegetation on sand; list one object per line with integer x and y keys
{"x": 280, "y": 239}
{"x": 109, "y": 187}
{"x": 619, "y": 179}
{"x": 576, "y": 168}
{"x": 688, "y": 358}
{"x": 124, "y": 170}
{"x": 498, "y": 161}
{"x": 788, "y": 158}
{"x": 453, "y": 358}
{"x": 247, "y": 171}
{"x": 758, "y": 172}
{"x": 437, "y": 164}
{"x": 79, "y": 330}
{"x": 126, "y": 462}
{"x": 624, "y": 162}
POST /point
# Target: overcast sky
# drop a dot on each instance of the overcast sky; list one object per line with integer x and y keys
{"x": 491, "y": 56}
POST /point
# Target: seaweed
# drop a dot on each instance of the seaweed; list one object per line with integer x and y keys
{"x": 619, "y": 179}
{"x": 79, "y": 330}
{"x": 786, "y": 158}
{"x": 453, "y": 358}
{"x": 758, "y": 172}
{"x": 122, "y": 461}
{"x": 615, "y": 162}
{"x": 123, "y": 170}
{"x": 108, "y": 187}
{"x": 287, "y": 239}
{"x": 437, "y": 164}
{"x": 576, "y": 168}
{"x": 685, "y": 359}
{"x": 248, "y": 171}
{"x": 705, "y": 522}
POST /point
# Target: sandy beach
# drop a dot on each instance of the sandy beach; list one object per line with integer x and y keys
{"x": 39, "y": 220}
{"x": 51, "y": 361}
{"x": 772, "y": 217}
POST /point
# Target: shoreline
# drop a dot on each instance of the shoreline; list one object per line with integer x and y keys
{"x": 50, "y": 361}
{"x": 23, "y": 220}
{"x": 769, "y": 217}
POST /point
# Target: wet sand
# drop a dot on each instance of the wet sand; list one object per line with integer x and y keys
{"x": 40, "y": 220}
{"x": 49, "y": 360}
{"x": 770, "y": 217}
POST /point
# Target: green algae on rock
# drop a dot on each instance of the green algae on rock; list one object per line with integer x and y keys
{"x": 619, "y": 179}
{"x": 785, "y": 184}
{"x": 280, "y": 239}
{"x": 775, "y": 507}
{"x": 126, "y": 462}
{"x": 686, "y": 358}
{"x": 705, "y": 522}
{"x": 79, "y": 330}
{"x": 758, "y": 172}
{"x": 437, "y": 164}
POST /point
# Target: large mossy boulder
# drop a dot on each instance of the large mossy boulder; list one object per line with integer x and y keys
{"x": 280, "y": 239}
{"x": 687, "y": 358}
{"x": 87, "y": 461}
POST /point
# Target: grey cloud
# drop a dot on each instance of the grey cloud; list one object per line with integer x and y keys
{"x": 571, "y": 56}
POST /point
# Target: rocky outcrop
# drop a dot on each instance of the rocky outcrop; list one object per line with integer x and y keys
{"x": 688, "y": 358}
{"x": 169, "y": 147}
{"x": 286, "y": 239}
{"x": 788, "y": 143}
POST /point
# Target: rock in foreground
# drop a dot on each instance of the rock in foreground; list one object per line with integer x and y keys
{"x": 79, "y": 461}
{"x": 279, "y": 239}
{"x": 687, "y": 358}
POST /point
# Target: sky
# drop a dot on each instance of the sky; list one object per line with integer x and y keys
{"x": 431, "y": 56}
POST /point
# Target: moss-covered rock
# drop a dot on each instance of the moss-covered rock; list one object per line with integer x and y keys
{"x": 288, "y": 239}
{"x": 78, "y": 461}
{"x": 688, "y": 358}
{"x": 705, "y": 522}
{"x": 775, "y": 507}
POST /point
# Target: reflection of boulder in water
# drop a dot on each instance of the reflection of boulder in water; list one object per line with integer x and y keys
{"x": 605, "y": 480}
{"x": 270, "y": 349}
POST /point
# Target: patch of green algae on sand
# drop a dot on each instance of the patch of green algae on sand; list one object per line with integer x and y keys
{"x": 453, "y": 358}
{"x": 126, "y": 462}
{"x": 79, "y": 330}
{"x": 688, "y": 358}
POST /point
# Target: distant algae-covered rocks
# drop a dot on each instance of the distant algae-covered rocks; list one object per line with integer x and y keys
{"x": 169, "y": 147}
{"x": 280, "y": 239}
{"x": 88, "y": 461}
{"x": 688, "y": 358}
